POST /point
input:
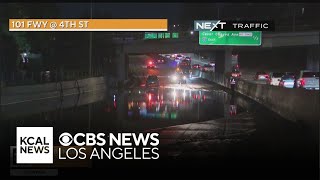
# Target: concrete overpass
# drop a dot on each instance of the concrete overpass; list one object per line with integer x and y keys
{"x": 190, "y": 44}
{"x": 309, "y": 40}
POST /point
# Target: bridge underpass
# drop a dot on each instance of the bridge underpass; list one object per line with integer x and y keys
{"x": 274, "y": 45}
{"x": 274, "y": 135}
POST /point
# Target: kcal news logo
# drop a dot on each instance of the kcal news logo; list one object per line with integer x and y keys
{"x": 34, "y": 145}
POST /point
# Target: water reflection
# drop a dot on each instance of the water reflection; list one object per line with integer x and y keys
{"x": 134, "y": 110}
{"x": 175, "y": 103}
{"x": 233, "y": 106}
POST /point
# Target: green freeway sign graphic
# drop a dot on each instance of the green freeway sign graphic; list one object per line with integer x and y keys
{"x": 230, "y": 38}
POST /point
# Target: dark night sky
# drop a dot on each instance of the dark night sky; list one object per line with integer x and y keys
{"x": 172, "y": 11}
{"x": 185, "y": 13}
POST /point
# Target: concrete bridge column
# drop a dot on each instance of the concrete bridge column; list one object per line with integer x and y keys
{"x": 122, "y": 62}
{"x": 122, "y": 110}
{"x": 313, "y": 58}
{"x": 224, "y": 60}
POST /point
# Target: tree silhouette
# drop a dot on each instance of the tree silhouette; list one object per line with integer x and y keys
{"x": 38, "y": 42}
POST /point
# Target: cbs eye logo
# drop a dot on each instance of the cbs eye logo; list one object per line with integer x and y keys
{"x": 65, "y": 139}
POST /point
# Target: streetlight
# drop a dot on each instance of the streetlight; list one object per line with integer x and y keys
{"x": 90, "y": 67}
{"x": 90, "y": 45}
{"x": 174, "y": 25}
{"x": 191, "y": 32}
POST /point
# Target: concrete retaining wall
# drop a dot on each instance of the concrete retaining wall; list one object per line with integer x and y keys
{"x": 19, "y": 94}
{"x": 52, "y": 104}
{"x": 298, "y": 105}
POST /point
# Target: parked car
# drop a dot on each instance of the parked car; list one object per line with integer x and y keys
{"x": 161, "y": 60}
{"x": 207, "y": 67}
{"x": 308, "y": 80}
{"x": 152, "y": 81}
{"x": 185, "y": 63}
{"x": 274, "y": 78}
{"x": 168, "y": 56}
{"x": 188, "y": 58}
{"x": 179, "y": 77}
{"x": 196, "y": 66}
{"x": 287, "y": 81}
{"x": 261, "y": 76}
{"x": 179, "y": 57}
{"x": 236, "y": 73}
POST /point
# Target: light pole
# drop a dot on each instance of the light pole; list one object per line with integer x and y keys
{"x": 90, "y": 68}
{"x": 90, "y": 45}
{"x": 294, "y": 19}
{"x": 293, "y": 7}
{"x": 219, "y": 6}
{"x": 198, "y": 110}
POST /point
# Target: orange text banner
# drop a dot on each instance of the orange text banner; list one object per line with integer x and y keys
{"x": 88, "y": 24}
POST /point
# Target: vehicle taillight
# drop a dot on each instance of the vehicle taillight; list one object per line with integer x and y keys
{"x": 150, "y": 62}
{"x": 149, "y": 97}
{"x": 267, "y": 76}
{"x": 302, "y": 82}
{"x": 269, "y": 80}
{"x": 281, "y": 83}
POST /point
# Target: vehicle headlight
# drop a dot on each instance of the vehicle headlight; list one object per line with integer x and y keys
{"x": 174, "y": 78}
